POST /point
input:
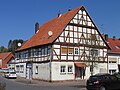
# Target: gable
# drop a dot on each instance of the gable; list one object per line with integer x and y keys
{"x": 81, "y": 29}
{"x": 60, "y": 24}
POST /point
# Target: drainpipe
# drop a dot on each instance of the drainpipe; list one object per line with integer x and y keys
{"x": 50, "y": 64}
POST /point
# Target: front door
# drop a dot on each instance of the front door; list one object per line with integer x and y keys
{"x": 79, "y": 72}
{"x": 29, "y": 71}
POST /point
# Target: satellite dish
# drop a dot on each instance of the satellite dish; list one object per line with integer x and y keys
{"x": 19, "y": 44}
{"x": 50, "y": 33}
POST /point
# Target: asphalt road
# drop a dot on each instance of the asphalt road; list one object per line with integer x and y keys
{"x": 15, "y": 85}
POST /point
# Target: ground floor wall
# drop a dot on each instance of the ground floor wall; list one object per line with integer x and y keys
{"x": 20, "y": 69}
{"x": 58, "y": 71}
{"x": 63, "y": 71}
{"x": 41, "y": 71}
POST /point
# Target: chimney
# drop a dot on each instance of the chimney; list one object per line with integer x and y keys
{"x": 59, "y": 14}
{"x": 106, "y": 37}
{"x": 69, "y": 9}
{"x": 36, "y": 27}
{"x": 114, "y": 37}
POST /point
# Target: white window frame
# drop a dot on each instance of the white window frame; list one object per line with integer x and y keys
{"x": 63, "y": 69}
{"x": 76, "y": 50}
{"x": 70, "y": 69}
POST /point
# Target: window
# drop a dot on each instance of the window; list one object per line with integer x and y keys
{"x": 63, "y": 50}
{"x": 112, "y": 71}
{"x": 76, "y": 51}
{"x": 62, "y": 69}
{"x": 112, "y": 61}
{"x": 94, "y": 52}
{"x": 21, "y": 68}
{"x": 46, "y": 51}
{"x": 36, "y": 70}
{"x": 118, "y": 47}
{"x": 70, "y": 69}
{"x": 17, "y": 69}
{"x": 70, "y": 50}
{"x": 43, "y": 51}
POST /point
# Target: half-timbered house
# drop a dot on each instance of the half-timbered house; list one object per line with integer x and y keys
{"x": 67, "y": 47}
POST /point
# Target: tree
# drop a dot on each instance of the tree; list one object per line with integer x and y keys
{"x": 3, "y": 49}
{"x": 10, "y": 45}
{"x": 13, "y": 45}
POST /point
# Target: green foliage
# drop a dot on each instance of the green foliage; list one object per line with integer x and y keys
{"x": 13, "y": 45}
{"x": 3, "y": 49}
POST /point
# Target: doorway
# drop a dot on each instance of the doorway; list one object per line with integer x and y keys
{"x": 79, "y": 71}
{"x": 29, "y": 71}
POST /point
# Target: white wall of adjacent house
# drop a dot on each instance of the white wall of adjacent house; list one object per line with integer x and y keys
{"x": 98, "y": 68}
{"x": 113, "y": 62}
{"x": 41, "y": 71}
{"x": 60, "y": 71}
{"x": 20, "y": 69}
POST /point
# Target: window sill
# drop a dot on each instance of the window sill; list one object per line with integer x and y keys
{"x": 62, "y": 73}
{"x": 69, "y": 73}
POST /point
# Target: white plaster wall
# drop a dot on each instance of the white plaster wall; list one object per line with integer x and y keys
{"x": 113, "y": 66}
{"x": 24, "y": 72}
{"x": 43, "y": 71}
{"x": 102, "y": 68}
{"x": 57, "y": 76}
{"x": 88, "y": 74}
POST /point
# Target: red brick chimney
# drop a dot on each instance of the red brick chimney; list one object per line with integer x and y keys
{"x": 36, "y": 27}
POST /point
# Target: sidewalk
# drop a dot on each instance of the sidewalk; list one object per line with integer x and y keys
{"x": 45, "y": 83}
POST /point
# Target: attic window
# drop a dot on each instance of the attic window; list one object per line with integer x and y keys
{"x": 118, "y": 47}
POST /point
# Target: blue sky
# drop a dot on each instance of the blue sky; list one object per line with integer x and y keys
{"x": 17, "y": 17}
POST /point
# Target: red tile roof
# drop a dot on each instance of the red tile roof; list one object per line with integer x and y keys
{"x": 6, "y": 57}
{"x": 55, "y": 25}
{"x": 115, "y": 45}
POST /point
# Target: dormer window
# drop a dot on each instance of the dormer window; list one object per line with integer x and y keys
{"x": 118, "y": 47}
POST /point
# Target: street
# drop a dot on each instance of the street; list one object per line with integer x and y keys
{"x": 18, "y": 84}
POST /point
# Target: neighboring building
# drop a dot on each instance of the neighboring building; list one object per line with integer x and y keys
{"x": 113, "y": 54}
{"x": 5, "y": 59}
{"x": 67, "y": 47}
